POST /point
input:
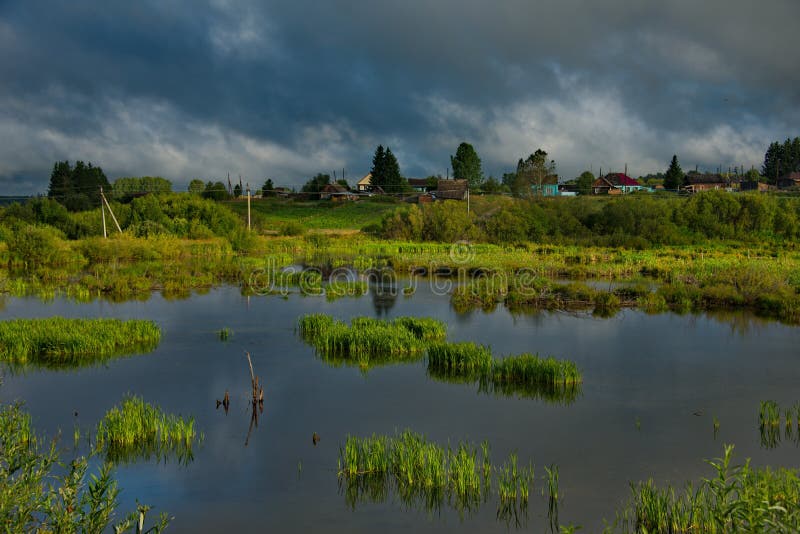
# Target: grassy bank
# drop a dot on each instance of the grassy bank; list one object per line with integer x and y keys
{"x": 748, "y": 258}
{"x": 60, "y": 342}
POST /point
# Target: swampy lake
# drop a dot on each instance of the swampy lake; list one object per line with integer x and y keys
{"x": 652, "y": 387}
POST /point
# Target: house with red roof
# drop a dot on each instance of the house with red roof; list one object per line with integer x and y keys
{"x": 616, "y": 183}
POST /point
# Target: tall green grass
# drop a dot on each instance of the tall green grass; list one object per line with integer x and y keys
{"x": 368, "y": 341}
{"x": 424, "y": 473}
{"x": 526, "y": 374}
{"x": 136, "y": 429}
{"x": 769, "y": 423}
{"x": 59, "y": 342}
{"x": 733, "y": 499}
{"x": 459, "y": 359}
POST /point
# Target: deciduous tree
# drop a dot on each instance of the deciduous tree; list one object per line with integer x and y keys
{"x": 467, "y": 165}
{"x": 535, "y": 170}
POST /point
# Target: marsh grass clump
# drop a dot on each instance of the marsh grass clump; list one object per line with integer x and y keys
{"x": 419, "y": 471}
{"x": 466, "y": 359}
{"x": 350, "y": 288}
{"x": 224, "y": 334}
{"x": 514, "y": 485}
{"x": 424, "y": 328}
{"x": 60, "y": 342}
{"x": 733, "y": 499}
{"x": 136, "y": 429}
{"x": 315, "y": 324}
{"x": 527, "y": 375}
{"x": 367, "y": 341}
{"x": 769, "y": 423}
{"x": 532, "y": 369}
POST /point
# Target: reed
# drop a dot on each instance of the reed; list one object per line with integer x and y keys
{"x": 459, "y": 359}
{"x": 527, "y": 374}
{"x": 368, "y": 341}
{"x": 420, "y": 471}
{"x": 224, "y": 333}
{"x": 60, "y": 342}
{"x": 732, "y": 499}
{"x": 769, "y": 414}
{"x": 769, "y": 423}
{"x": 552, "y": 495}
{"x": 136, "y": 429}
{"x": 531, "y": 369}
{"x": 338, "y": 289}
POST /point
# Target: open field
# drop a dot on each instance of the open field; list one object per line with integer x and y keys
{"x": 270, "y": 215}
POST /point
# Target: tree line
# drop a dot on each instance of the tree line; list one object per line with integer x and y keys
{"x": 78, "y": 187}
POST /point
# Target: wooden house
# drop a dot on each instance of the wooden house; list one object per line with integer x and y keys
{"x": 697, "y": 182}
{"x": 616, "y": 183}
{"x": 752, "y": 185}
{"x": 336, "y": 192}
{"x": 452, "y": 190}
{"x": 547, "y": 188}
{"x": 421, "y": 185}
{"x": 789, "y": 180}
{"x": 364, "y": 185}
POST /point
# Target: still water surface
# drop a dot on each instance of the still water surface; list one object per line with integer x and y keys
{"x": 652, "y": 386}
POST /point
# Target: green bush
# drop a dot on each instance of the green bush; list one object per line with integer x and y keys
{"x": 292, "y": 228}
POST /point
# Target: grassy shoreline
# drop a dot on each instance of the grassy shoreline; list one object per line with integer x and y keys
{"x": 197, "y": 245}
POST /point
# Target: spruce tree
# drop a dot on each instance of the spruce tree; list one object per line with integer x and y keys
{"x": 378, "y": 170}
{"x": 771, "y": 162}
{"x": 392, "y": 178}
{"x": 673, "y": 179}
{"x": 60, "y": 181}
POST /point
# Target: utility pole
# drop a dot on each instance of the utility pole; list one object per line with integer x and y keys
{"x": 103, "y": 196}
{"x": 248, "y": 207}
{"x": 103, "y": 211}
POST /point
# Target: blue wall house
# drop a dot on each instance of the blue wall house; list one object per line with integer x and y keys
{"x": 547, "y": 188}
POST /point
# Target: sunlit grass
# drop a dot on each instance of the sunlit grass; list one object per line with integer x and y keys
{"x": 137, "y": 429}
{"x": 58, "y": 341}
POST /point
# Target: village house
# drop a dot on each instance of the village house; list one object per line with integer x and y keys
{"x": 547, "y": 188}
{"x": 752, "y": 185}
{"x": 616, "y": 183}
{"x": 452, "y": 190}
{"x": 365, "y": 184}
{"x": 789, "y": 180}
{"x": 421, "y": 185}
{"x": 336, "y": 192}
{"x": 696, "y": 182}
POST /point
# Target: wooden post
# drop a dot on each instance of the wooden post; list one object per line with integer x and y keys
{"x": 248, "y": 206}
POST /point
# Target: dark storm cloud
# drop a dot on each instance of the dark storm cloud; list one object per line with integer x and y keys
{"x": 287, "y": 89}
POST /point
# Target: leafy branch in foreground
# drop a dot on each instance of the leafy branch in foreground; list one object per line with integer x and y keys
{"x": 34, "y": 498}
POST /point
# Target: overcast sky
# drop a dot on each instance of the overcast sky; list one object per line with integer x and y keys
{"x": 287, "y": 89}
